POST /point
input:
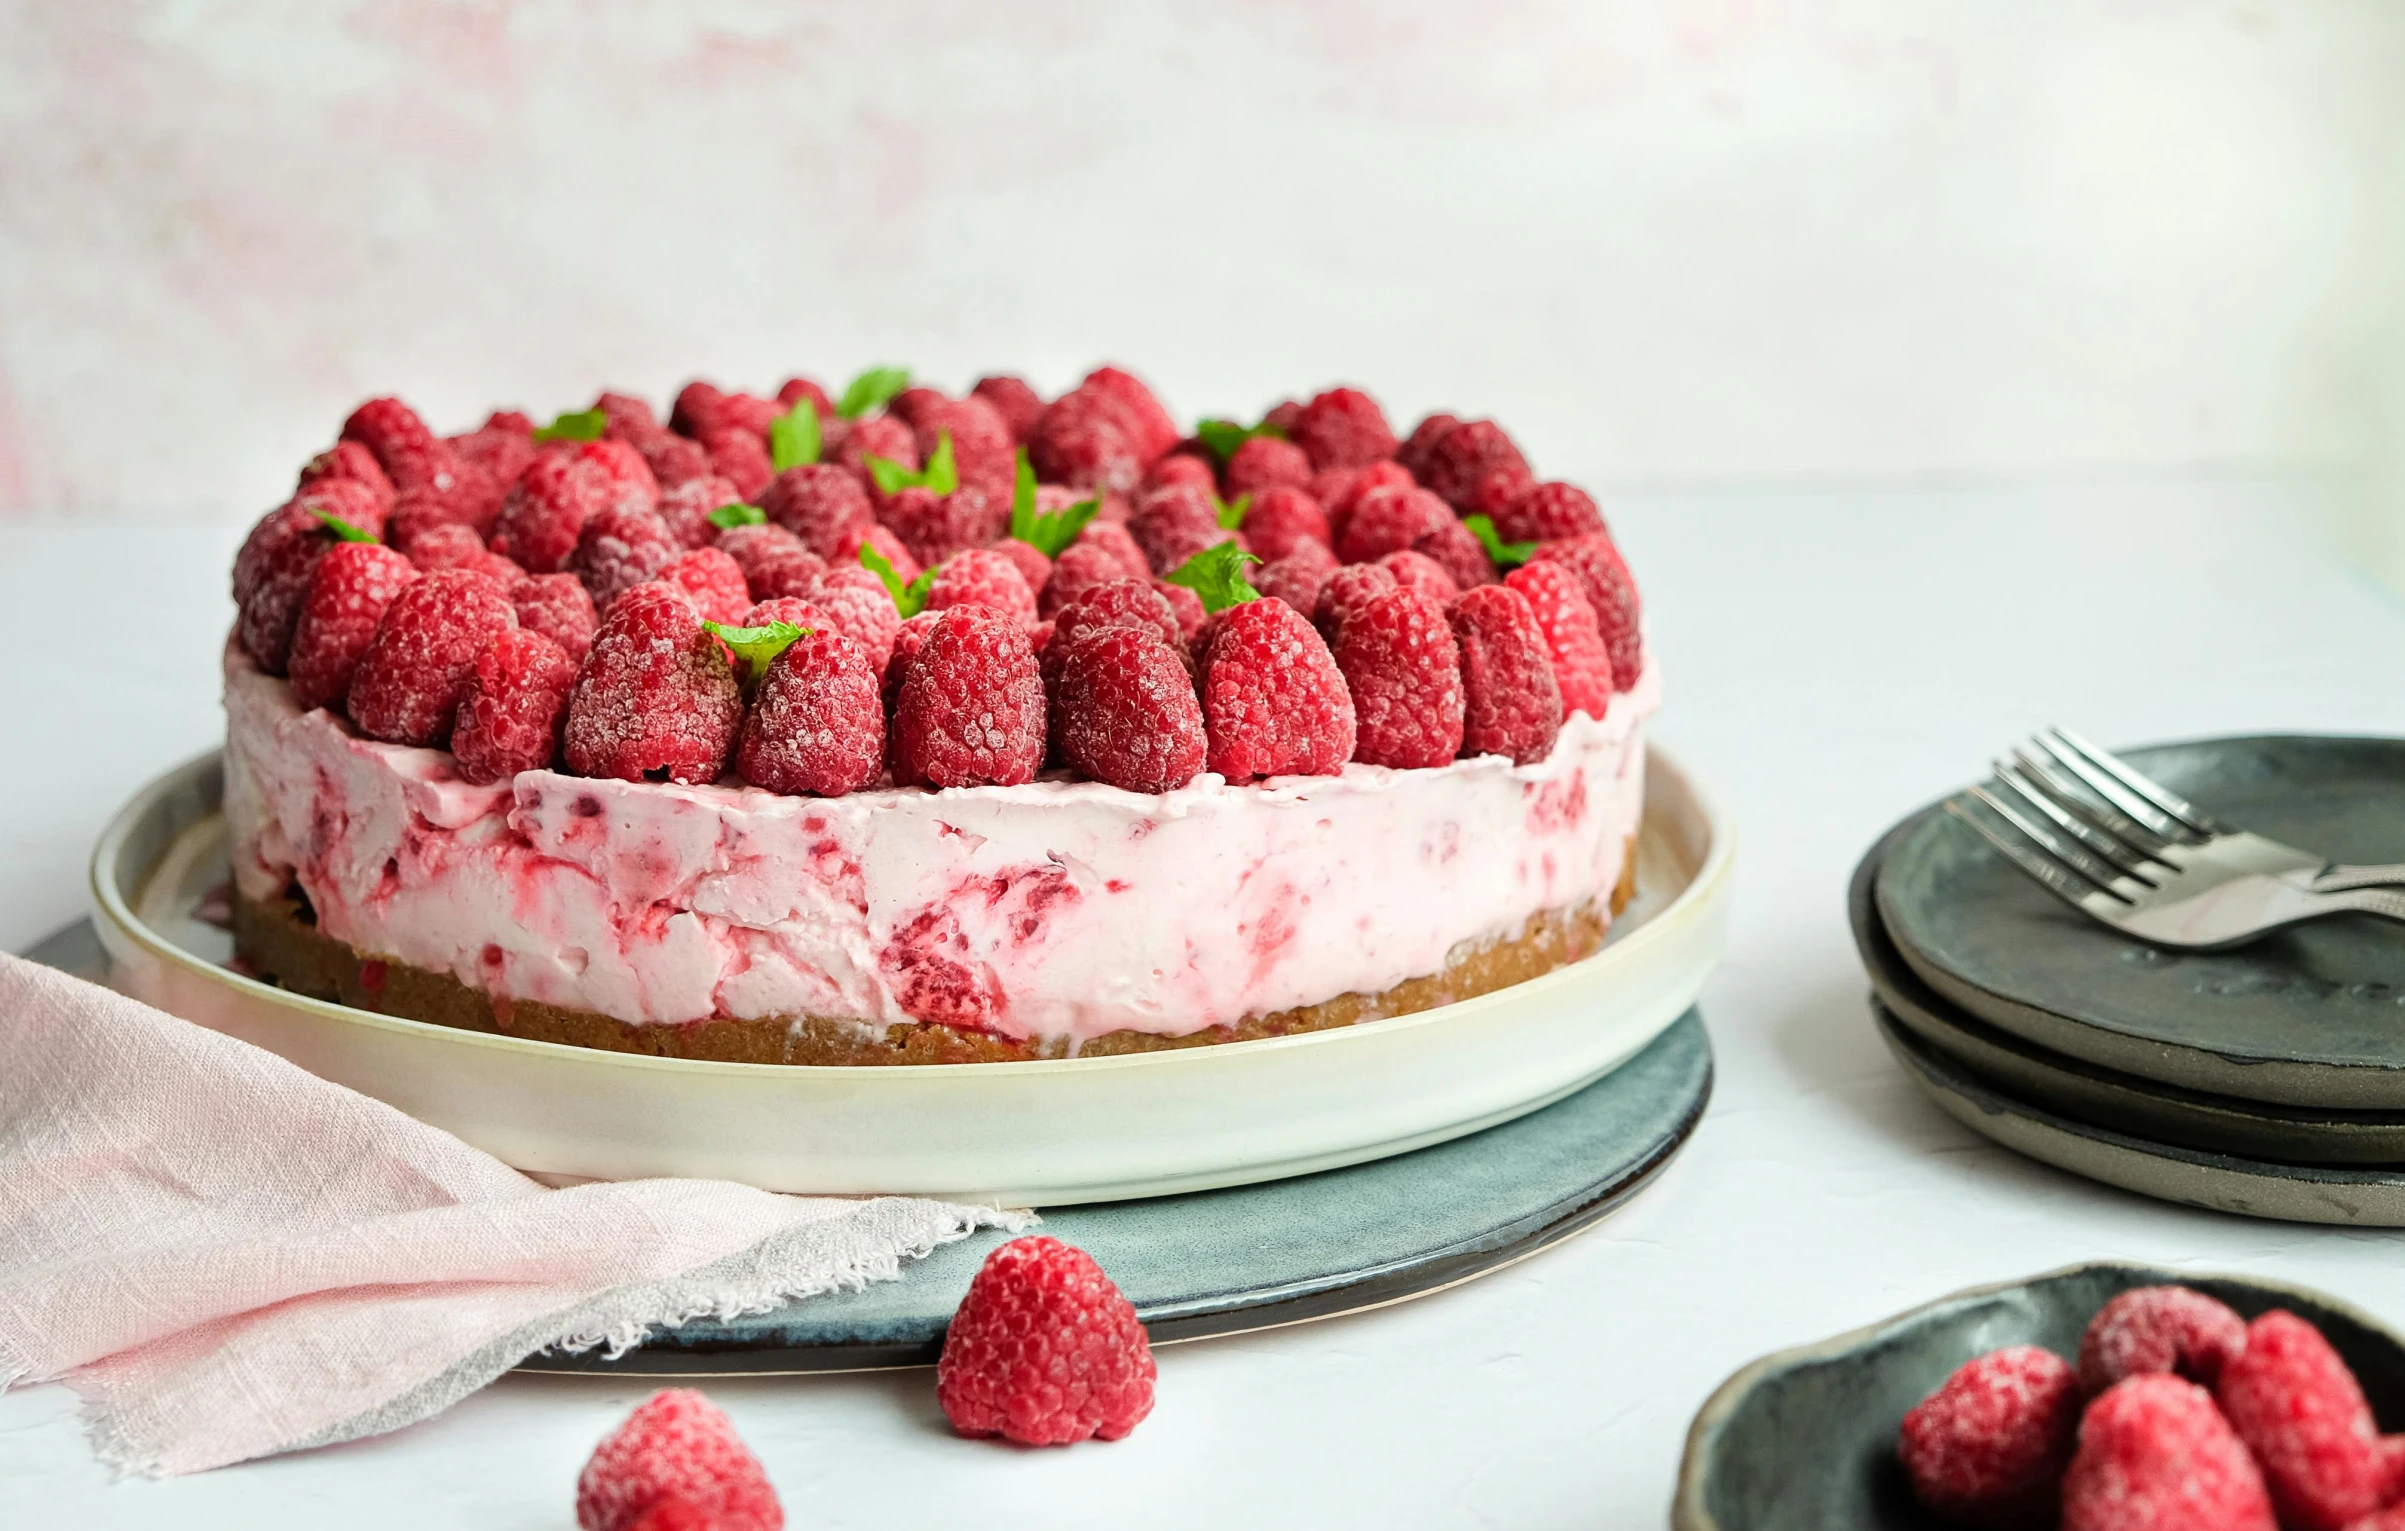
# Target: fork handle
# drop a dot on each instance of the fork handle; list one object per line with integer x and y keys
{"x": 2380, "y": 901}
{"x": 2340, "y": 878}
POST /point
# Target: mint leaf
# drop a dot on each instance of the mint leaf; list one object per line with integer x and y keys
{"x": 871, "y": 390}
{"x": 941, "y": 474}
{"x": 1223, "y": 437}
{"x": 1505, "y": 554}
{"x": 1048, "y": 532}
{"x": 794, "y": 437}
{"x": 343, "y": 530}
{"x": 736, "y": 513}
{"x": 575, "y": 425}
{"x": 1231, "y": 513}
{"x": 1022, "y": 499}
{"x": 910, "y": 599}
{"x": 891, "y": 476}
{"x": 757, "y": 647}
{"x": 1217, "y": 575}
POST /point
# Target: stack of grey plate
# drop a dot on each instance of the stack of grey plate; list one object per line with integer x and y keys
{"x": 2268, "y": 1080}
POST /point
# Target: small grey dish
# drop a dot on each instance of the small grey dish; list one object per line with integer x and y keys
{"x": 1805, "y": 1440}
{"x": 2310, "y": 1016}
{"x": 2102, "y": 1097}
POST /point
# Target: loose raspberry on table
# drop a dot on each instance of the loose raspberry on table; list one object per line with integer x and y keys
{"x": 1179, "y": 468}
{"x": 1265, "y": 462}
{"x": 1018, "y": 405}
{"x": 676, "y": 1448}
{"x": 409, "y": 681}
{"x": 559, "y": 607}
{"x": 1511, "y": 704}
{"x": 656, "y": 699}
{"x": 1403, "y": 667}
{"x": 817, "y": 722}
{"x": 1172, "y": 525}
{"x": 353, "y": 584}
{"x": 970, "y": 710}
{"x": 1458, "y": 551}
{"x": 1274, "y": 703}
{"x": 1044, "y": 1351}
{"x": 862, "y": 608}
{"x": 686, "y": 507}
{"x": 1417, "y": 571}
{"x": 271, "y": 578}
{"x": 1462, "y": 458}
{"x": 1388, "y": 521}
{"x": 1990, "y": 1445}
{"x": 2158, "y": 1329}
{"x": 2155, "y": 1455}
{"x": 1603, "y": 578}
{"x": 2298, "y": 1408}
{"x": 1548, "y": 512}
{"x": 982, "y": 577}
{"x": 1123, "y": 709}
{"x": 560, "y": 491}
{"x": 713, "y": 579}
{"x": 353, "y": 461}
{"x": 1413, "y": 453}
{"x": 1582, "y": 666}
{"x": 621, "y": 546}
{"x": 818, "y": 502}
{"x": 740, "y": 457}
{"x": 1346, "y": 591}
{"x": 1342, "y": 428}
{"x": 516, "y": 700}
{"x": 1280, "y": 520}
{"x": 934, "y": 527}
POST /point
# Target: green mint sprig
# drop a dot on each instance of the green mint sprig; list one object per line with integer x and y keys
{"x": 1223, "y": 437}
{"x": 1231, "y": 512}
{"x": 735, "y": 513}
{"x": 872, "y": 389}
{"x": 757, "y": 647}
{"x": 343, "y": 530}
{"x": 1505, "y": 554}
{"x": 1217, "y": 575}
{"x": 1051, "y": 531}
{"x": 575, "y": 425}
{"x": 794, "y": 439}
{"x": 940, "y": 476}
{"x": 909, "y": 599}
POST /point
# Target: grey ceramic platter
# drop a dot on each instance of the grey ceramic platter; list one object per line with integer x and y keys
{"x": 2310, "y": 1016}
{"x": 2083, "y": 1092}
{"x": 1804, "y": 1440}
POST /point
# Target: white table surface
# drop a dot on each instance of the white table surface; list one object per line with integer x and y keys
{"x": 1833, "y": 660}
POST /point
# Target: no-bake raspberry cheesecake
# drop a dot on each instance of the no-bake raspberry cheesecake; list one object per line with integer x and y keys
{"x": 902, "y": 727}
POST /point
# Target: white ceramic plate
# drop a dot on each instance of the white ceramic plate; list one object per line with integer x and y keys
{"x": 1043, "y": 1133}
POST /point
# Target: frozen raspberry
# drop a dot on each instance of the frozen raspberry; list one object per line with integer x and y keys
{"x": 560, "y": 491}
{"x": 1388, "y": 521}
{"x": 1604, "y": 579}
{"x": 889, "y": 547}
{"x": 1340, "y": 492}
{"x": 796, "y": 389}
{"x": 983, "y": 449}
{"x": 1548, "y": 513}
{"x": 349, "y": 460}
{"x": 2155, "y": 1455}
{"x": 2300, "y": 1411}
{"x": 424, "y": 469}
{"x": 502, "y": 446}
{"x": 1044, "y": 1350}
{"x": 1990, "y": 1445}
{"x": 863, "y": 609}
{"x": 789, "y": 608}
{"x": 1413, "y": 453}
{"x": 1458, "y": 551}
{"x": 818, "y": 502}
{"x": 1495, "y": 495}
{"x": 686, "y": 508}
{"x": 1018, "y": 405}
{"x": 1421, "y": 573}
{"x": 1342, "y": 428}
{"x": 1274, "y": 703}
{"x": 630, "y": 418}
{"x": 701, "y": 409}
{"x": 713, "y": 579}
{"x": 913, "y": 401}
{"x": 1510, "y": 702}
{"x": 516, "y": 699}
{"x": 409, "y": 681}
{"x": 676, "y": 460}
{"x": 784, "y": 572}
{"x": 970, "y": 710}
{"x": 1279, "y": 520}
{"x": 1119, "y": 603}
{"x": 392, "y": 432}
{"x": 1080, "y": 568}
{"x": 1185, "y": 605}
{"x": 2158, "y": 1329}
{"x": 354, "y": 582}
{"x": 817, "y": 722}
{"x": 559, "y": 607}
{"x": 1463, "y": 457}
{"x": 271, "y": 578}
{"x": 1124, "y": 711}
{"x": 1297, "y": 578}
{"x": 621, "y": 546}
{"x": 1346, "y": 591}
{"x": 753, "y": 545}
{"x": 740, "y": 457}
{"x": 878, "y": 436}
{"x": 909, "y": 638}
{"x": 1179, "y": 468}
{"x": 695, "y": 408}
{"x": 656, "y": 699}
{"x": 1265, "y": 462}
{"x": 1082, "y": 440}
{"x": 676, "y": 1449}
{"x": 1174, "y": 524}
{"x": 444, "y": 545}
{"x": 1148, "y": 426}
{"x": 1284, "y": 414}
{"x": 981, "y": 577}
{"x": 934, "y": 527}
{"x": 1404, "y": 670}
{"x": 1028, "y": 559}
{"x": 1582, "y": 666}
{"x": 1114, "y": 538}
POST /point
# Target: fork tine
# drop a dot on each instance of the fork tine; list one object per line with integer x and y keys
{"x": 2071, "y": 817}
{"x": 2101, "y": 785}
{"x": 2092, "y": 806}
{"x": 2102, "y": 873}
{"x": 2145, "y": 786}
{"x": 2063, "y": 884}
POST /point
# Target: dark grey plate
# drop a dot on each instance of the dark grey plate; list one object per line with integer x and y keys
{"x": 2086, "y": 1093}
{"x": 1805, "y": 1440}
{"x": 2310, "y": 1016}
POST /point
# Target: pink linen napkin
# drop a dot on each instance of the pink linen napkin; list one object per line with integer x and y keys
{"x": 228, "y": 1257}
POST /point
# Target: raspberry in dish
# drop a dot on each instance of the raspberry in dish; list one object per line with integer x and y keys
{"x": 1990, "y": 1445}
{"x": 2155, "y": 1455}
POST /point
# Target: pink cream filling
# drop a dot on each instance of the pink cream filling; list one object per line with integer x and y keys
{"x": 1057, "y": 909}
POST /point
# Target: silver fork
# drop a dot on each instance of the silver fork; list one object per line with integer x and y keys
{"x": 2134, "y": 854}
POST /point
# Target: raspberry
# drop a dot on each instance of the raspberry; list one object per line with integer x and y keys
{"x": 817, "y": 722}
{"x": 879, "y": 436}
{"x": 1604, "y": 579}
{"x": 2159, "y": 1329}
{"x": 676, "y": 460}
{"x": 934, "y": 527}
{"x": 1174, "y": 524}
{"x": 1114, "y": 538}
{"x": 1346, "y": 591}
{"x": 1284, "y": 414}
{"x": 1119, "y": 603}
{"x": 1124, "y": 711}
{"x": 2155, "y": 1455}
{"x": 1404, "y": 670}
{"x": 1990, "y": 1445}
{"x": 1018, "y": 405}
{"x": 1179, "y": 468}
{"x": 1463, "y": 457}
{"x": 907, "y": 406}
{"x": 1280, "y": 520}
{"x": 862, "y": 609}
{"x": 981, "y": 577}
{"x": 1297, "y": 578}
{"x": 1185, "y": 605}
{"x": 714, "y": 580}
{"x": 1420, "y": 572}
{"x": 888, "y": 546}
{"x": 1547, "y": 513}
{"x": 409, "y": 681}
{"x": 686, "y": 507}
{"x": 558, "y": 607}
{"x": 621, "y": 546}
{"x": 1582, "y": 666}
{"x": 909, "y": 638}
{"x": 563, "y": 489}
{"x": 1342, "y": 428}
{"x": 1388, "y": 521}
{"x": 1044, "y": 1350}
{"x": 1495, "y": 495}
{"x": 354, "y": 582}
{"x": 789, "y": 608}
{"x": 656, "y": 699}
{"x": 444, "y": 545}
{"x": 2300, "y": 1411}
{"x": 1081, "y": 440}
{"x": 781, "y": 571}
{"x": 676, "y": 1449}
{"x": 1274, "y": 703}
{"x": 740, "y": 457}
{"x": 1458, "y": 551}
{"x": 1148, "y": 426}
{"x": 271, "y": 578}
{"x": 1028, "y": 559}
{"x": 753, "y": 546}
{"x": 983, "y": 448}
{"x": 631, "y": 420}
{"x": 349, "y": 460}
{"x": 422, "y": 466}
{"x": 510, "y": 714}
{"x": 392, "y": 433}
{"x": 1265, "y": 462}
{"x": 502, "y": 446}
{"x": 1080, "y": 568}
{"x": 1340, "y": 493}
{"x": 970, "y": 710}
{"x": 818, "y": 502}
{"x": 795, "y": 389}
{"x": 1510, "y": 702}
{"x": 1413, "y": 453}
{"x": 696, "y": 408}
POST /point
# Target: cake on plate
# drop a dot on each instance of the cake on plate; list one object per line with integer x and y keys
{"x": 899, "y": 727}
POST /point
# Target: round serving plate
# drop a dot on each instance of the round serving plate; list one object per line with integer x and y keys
{"x": 1044, "y": 1133}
